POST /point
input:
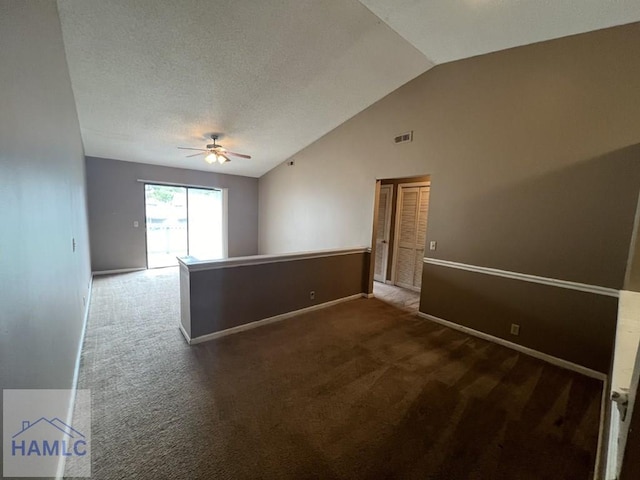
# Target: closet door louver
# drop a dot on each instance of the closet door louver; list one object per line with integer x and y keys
{"x": 412, "y": 233}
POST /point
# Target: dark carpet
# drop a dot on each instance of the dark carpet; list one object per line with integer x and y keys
{"x": 360, "y": 390}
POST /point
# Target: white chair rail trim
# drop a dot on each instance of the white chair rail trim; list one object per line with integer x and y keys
{"x": 193, "y": 264}
{"x": 554, "y": 282}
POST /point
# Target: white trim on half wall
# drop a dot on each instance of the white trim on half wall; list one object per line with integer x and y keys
{"x": 554, "y": 282}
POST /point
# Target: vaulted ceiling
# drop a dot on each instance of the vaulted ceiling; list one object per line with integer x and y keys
{"x": 272, "y": 76}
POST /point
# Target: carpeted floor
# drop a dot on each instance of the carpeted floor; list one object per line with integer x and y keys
{"x": 360, "y": 390}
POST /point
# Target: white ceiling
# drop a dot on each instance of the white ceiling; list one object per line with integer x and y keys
{"x": 272, "y": 76}
{"x": 448, "y": 30}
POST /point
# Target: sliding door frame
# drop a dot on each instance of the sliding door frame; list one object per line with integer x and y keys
{"x": 186, "y": 186}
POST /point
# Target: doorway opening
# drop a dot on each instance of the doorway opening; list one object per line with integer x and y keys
{"x": 183, "y": 221}
{"x": 410, "y": 234}
{"x": 400, "y": 235}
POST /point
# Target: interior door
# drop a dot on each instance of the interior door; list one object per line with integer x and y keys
{"x": 411, "y": 234}
{"x": 383, "y": 230}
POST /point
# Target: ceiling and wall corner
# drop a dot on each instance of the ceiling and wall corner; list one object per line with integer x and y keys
{"x": 533, "y": 156}
{"x": 505, "y": 138}
{"x": 270, "y": 76}
{"x": 449, "y": 30}
{"x": 274, "y": 76}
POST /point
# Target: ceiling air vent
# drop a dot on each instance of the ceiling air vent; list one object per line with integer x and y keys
{"x": 403, "y": 137}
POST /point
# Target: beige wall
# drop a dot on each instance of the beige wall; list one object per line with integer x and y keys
{"x": 533, "y": 155}
{"x": 572, "y": 325}
{"x": 534, "y": 159}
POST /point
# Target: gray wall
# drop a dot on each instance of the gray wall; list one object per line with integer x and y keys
{"x": 533, "y": 154}
{"x": 116, "y": 200}
{"x": 42, "y": 197}
{"x": 228, "y": 297}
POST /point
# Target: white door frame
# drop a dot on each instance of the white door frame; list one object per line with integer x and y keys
{"x": 396, "y": 229}
{"x": 384, "y": 244}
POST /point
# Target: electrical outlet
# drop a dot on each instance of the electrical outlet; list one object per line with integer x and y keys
{"x": 312, "y": 295}
{"x": 432, "y": 245}
{"x": 515, "y": 329}
{"x": 136, "y": 224}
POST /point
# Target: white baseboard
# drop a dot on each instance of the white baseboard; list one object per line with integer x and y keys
{"x": 514, "y": 346}
{"x": 119, "y": 270}
{"x": 185, "y": 334}
{"x": 264, "y": 321}
{"x": 367, "y": 295}
{"x": 76, "y": 375}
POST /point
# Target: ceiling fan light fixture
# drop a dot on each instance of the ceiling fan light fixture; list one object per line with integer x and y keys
{"x": 215, "y": 153}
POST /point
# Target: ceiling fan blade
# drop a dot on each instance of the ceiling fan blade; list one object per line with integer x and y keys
{"x": 189, "y": 148}
{"x": 241, "y": 155}
{"x": 195, "y": 154}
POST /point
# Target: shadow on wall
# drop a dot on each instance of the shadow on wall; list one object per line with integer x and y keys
{"x": 574, "y": 224}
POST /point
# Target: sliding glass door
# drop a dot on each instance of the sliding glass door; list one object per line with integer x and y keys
{"x": 204, "y": 223}
{"x": 183, "y": 221}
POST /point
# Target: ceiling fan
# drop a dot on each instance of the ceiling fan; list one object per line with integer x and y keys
{"x": 214, "y": 152}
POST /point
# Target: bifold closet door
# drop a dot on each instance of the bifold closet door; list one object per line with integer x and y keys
{"x": 412, "y": 233}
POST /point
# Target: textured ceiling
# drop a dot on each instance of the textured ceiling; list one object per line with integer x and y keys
{"x": 272, "y": 76}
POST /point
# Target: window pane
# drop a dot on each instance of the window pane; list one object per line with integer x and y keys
{"x": 205, "y": 223}
{"x": 166, "y": 221}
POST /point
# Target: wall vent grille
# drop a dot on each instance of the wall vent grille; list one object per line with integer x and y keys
{"x": 403, "y": 137}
